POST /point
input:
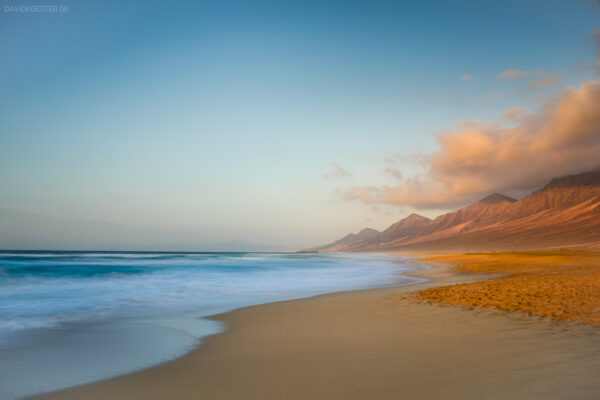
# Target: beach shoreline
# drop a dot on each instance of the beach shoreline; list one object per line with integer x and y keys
{"x": 117, "y": 312}
{"x": 370, "y": 343}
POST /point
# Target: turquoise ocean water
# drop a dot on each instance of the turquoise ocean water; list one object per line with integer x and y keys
{"x": 68, "y": 318}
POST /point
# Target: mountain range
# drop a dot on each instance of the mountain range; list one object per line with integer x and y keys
{"x": 563, "y": 214}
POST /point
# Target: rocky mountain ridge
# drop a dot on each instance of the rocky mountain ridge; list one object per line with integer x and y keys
{"x": 564, "y": 213}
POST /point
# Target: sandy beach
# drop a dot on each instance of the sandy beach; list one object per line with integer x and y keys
{"x": 563, "y": 285}
{"x": 299, "y": 200}
{"x": 373, "y": 344}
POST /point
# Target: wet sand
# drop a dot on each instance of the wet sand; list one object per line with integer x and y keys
{"x": 373, "y": 344}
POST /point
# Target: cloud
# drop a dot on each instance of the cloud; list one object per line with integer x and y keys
{"x": 393, "y": 159}
{"x": 540, "y": 80}
{"x": 511, "y": 114}
{"x": 465, "y": 77}
{"x": 395, "y": 172}
{"x": 561, "y": 138}
{"x": 513, "y": 74}
{"x": 418, "y": 159}
{"x": 338, "y": 172}
{"x": 596, "y": 37}
{"x": 544, "y": 80}
{"x": 493, "y": 96}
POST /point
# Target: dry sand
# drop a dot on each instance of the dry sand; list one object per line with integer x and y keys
{"x": 372, "y": 344}
{"x": 561, "y": 284}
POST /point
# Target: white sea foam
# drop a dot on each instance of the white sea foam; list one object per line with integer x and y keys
{"x": 100, "y": 304}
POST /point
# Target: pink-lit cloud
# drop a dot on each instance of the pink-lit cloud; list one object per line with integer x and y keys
{"x": 518, "y": 151}
{"x": 513, "y": 74}
{"x": 544, "y": 80}
{"x": 537, "y": 79}
{"x": 337, "y": 172}
{"x": 493, "y": 96}
{"x": 596, "y": 37}
{"x": 395, "y": 172}
{"x": 512, "y": 114}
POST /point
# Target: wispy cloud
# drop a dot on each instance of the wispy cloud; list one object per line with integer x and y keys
{"x": 337, "y": 172}
{"x": 478, "y": 158}
{"x": 596, "y": 37}
{"x": 513, "y": 74}
{"x": 395, "y": 172}
{"x": 540, "y": 78}
{"x": 511, "y": 114}
{"x": 544, "y": 80}
{"x": 493, "y": 96}
{"x": 417, "y": 159}
{"x": 466, "y": 77}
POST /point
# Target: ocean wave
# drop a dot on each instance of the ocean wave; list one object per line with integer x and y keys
{"x": 134, "y": 310}
{"x": 100, "y": 287}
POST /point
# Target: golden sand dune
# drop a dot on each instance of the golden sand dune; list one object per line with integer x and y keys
{"x": 563, "y": 285}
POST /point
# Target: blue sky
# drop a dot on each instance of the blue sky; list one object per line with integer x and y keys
{"x": 179, "y": 124}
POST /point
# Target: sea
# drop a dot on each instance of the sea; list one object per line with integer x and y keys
{"x": 68, "y": 318}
